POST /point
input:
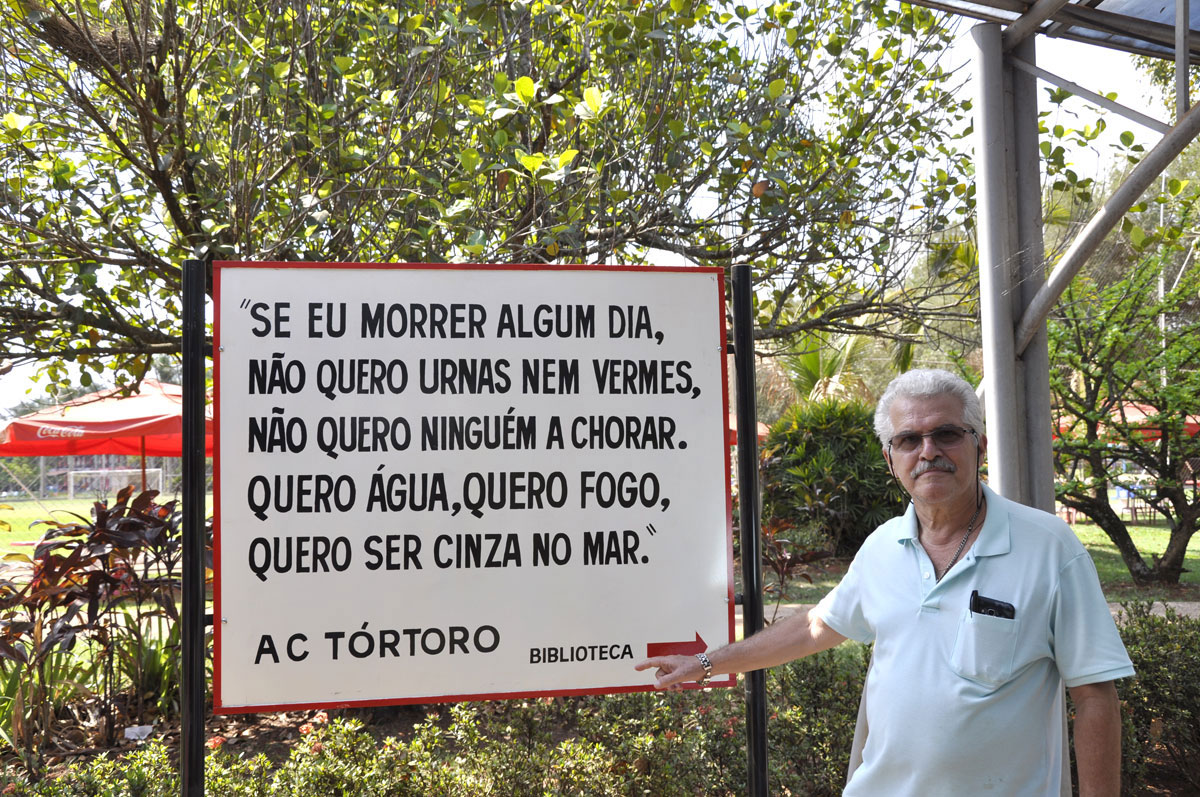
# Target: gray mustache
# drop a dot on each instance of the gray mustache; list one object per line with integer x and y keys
{"x": 937, "y": 463}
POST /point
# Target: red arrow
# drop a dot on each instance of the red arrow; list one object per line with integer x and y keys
{"x": 676, "y": 648}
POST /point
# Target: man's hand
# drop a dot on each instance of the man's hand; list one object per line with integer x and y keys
{"x": 797, "y": 635}
{"x": 672, "y": 670}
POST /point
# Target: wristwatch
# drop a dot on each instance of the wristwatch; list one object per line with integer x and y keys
{"x": 707, "y": 665}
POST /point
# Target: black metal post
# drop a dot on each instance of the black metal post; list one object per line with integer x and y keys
{"x": 192, "y": 686}
{"x": 752, "y": 604}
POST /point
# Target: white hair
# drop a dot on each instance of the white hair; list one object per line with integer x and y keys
{"x": 927, "y": 383}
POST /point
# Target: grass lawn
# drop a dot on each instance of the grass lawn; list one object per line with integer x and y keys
{"x": 25, "y": 512}
{"x": 1149, "y": 539}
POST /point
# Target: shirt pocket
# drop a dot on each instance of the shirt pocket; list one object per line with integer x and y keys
{"x": 985, "y": 648}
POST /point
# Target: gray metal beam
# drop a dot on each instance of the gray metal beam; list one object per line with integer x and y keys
{"x": 996, "y": 248}
{"x": 1109, "y": 215}
{"x": 1182, "y": 17}
{"x": 1033, "y": 366}
{"x": 1027, "y": 24}
{"x": 1098, "y": 99}
{"x": 1133, "y": 35}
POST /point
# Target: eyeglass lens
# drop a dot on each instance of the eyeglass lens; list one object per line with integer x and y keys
{"x": 943, "y": 437}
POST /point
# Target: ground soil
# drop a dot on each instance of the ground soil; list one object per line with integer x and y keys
{"x": 274, "y": 735}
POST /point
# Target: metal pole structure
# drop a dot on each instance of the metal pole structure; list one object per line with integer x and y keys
{"x": 752, "y": 604}
{"x": 1183, "y": 24}
{"x": 1034, "y": 366}
{"x": 996, "y": 241}
{"x": 192, "y": 685}
{"x": 1114, "y": 209}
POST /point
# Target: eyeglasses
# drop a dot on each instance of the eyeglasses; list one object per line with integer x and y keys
{"x": 944, "y": 437}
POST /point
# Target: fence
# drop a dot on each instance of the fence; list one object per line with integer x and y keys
{"x": 37, "y": 488}
{"x": 49, "y": 477}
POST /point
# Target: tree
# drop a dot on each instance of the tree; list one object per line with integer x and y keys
{"x": 1124, "y": 391}
{"x": 794, "y": 137}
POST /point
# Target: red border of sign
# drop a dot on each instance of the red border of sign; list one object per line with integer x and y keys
{"x": 218, "y": 708}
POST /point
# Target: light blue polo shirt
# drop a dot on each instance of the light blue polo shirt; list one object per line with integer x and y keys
{"x": 969, "y": 704}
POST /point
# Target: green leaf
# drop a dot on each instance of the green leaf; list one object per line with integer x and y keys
{"x": 663, "y": 181}
{"x": 1176, "y": 186}
{"x": 470, "y": 159}
{"x": 18, "y": 122}
{"x": 459, "y": 206}
{"x": 776, "y": 89}
{"x": 566, "y": 157}
{"x": 1137, "y": 236}
{"x": 476, "y": 242}
{"x": 532, "y": 162}
{"x": 281, "y": 70}
{"x": 525, "y": 88}
{"x": 593, "y": 105}
{"x": 343, "y": 63}
{"x": 1127, "y": 138}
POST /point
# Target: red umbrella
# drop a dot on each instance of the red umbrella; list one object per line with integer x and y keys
{"x": 149, "y": 423}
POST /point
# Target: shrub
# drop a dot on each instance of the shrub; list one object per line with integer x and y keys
{"x": 822, "y": 470}
{"x": 689, "y": 743}
{"x": 815, "y": 701}
{"x": 147, "y": 772}
{"x": 1162, "y": 703}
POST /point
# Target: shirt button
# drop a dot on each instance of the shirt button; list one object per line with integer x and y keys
{"x": 925, "y": 574}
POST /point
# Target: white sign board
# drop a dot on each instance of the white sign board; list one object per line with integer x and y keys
{"x": 456, "y": 482}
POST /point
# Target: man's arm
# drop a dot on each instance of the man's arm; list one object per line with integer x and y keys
{"x": 800, "y": 634}
{"x": 1097, "y": 739}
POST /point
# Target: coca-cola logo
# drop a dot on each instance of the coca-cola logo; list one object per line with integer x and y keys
{"x": 59, "y": 431}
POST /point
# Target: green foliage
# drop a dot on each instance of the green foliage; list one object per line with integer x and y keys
{"x": 147, "y": 650}
{"x": 341, "y": 759}
{"x": 657, "y": 743}
{"x": 33, "y": 699}
{"x": 823, "y": 470}
{"x": 1123, "y": 391}
{"x": 147, "y": 772}
{"x": 821, "y": 367}
{"x": 110, "y": 582}
{"x": 795, "y": 136}
{"x": 1162, "y": 704}
{"x": 815, "y": 703}
{"x": 647, "y": 743}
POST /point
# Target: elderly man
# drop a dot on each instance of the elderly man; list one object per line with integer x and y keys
{"x": 980, "y": 610}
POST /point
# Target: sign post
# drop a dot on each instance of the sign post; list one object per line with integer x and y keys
{"x": 439, "y": 483}
{"x": 748, "y": 517}
{"x": 191, "y": 686}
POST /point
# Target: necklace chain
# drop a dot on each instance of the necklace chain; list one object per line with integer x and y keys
{"x": 961, "y": 543}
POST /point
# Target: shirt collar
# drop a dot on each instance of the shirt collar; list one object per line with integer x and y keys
{"x": 994, "y": 538}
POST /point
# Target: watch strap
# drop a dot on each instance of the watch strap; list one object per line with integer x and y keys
{"x": 707, "y": 665}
